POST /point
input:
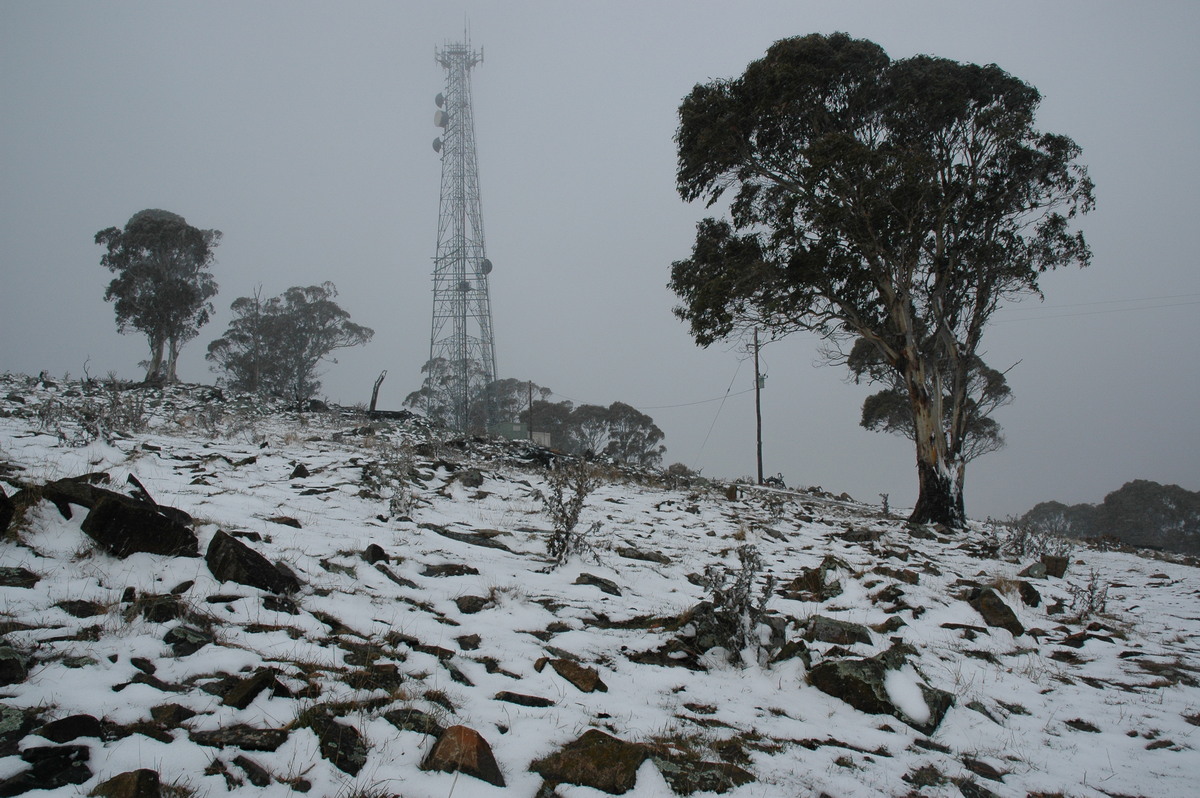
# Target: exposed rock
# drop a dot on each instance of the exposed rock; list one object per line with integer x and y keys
{"x": 469, "y": 605}
{"x": 816, "y": 584}
{"x": 981, "y": 768}
{"x": 584, "y": 678}
{"x": 449, "y": 569}
{"x": 14, "y": 724}
{"x": 81, "y": 609}
{"x": 81, "y": 491}
{"x": 247, "y": 738}
{"x": 50, "y": 767}
{"x": 995, "y": 612}
{"x": 374, "y": 553}
{"x": 468, "y": 642}
{"x": 7, "y": 511}
{"x": 187, "y": 640}
{"x": 523, "y": 700}
{"x": 687, "y": 775}
{"x": 244, "y": 691}
{"x": 1035, "y": 570}
{"x": 142, "y": 783}
{"x": 474, "y": 539}
{"x": 256, "y": 774}
{"x": 17, "y": 577}
{"x": 156, "y": 609}
{"x": 410, "y": 719}
{"x": 1055, "y": 566}
{"x": 630, "y": 553}
{"x": 606, "y": 585}
{"x": 861, "y": 683}
{"x": 831, "y": 630}
{"x": 463, "y": 750}
{"x": 64, "y": 730}
{"x": 171, "y": 714}
{"x": 299, "y": 472}
{"x": 128, "y": 527}
{"x": 13, "y": 669}
{"x": 595, "y": 760}
{"x": 1029, "y": 594}
{"x": 280, "y": 604}
{"x": 376, "y": 676}
{"x": 341, "y": 744}
{"x": 469, "y": 478}
{"x": 230, "y": 560}
{"x": 399, "y": 580}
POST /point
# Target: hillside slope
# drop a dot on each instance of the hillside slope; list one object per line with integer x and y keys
{"x": 426, "y": 602}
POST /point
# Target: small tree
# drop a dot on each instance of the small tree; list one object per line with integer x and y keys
{"x": 276, "y": 346}
{"x": 162, "y": 286}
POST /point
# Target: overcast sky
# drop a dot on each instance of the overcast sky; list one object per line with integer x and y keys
{"x": 303, "y": 131}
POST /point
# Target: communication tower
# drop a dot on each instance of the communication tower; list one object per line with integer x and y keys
{"x": 461, "y": 339}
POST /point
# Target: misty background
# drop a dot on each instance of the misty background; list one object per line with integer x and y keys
{"x": 304, "y": 132}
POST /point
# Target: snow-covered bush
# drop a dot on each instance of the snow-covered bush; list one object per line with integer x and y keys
{"x": 1089, "y": 599}
{"x": 1023, "y": 538}
{"x": 736, "y": 611}
{"x": 568, "y": 484}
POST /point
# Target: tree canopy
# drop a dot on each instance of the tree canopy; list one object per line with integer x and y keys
{"x": 896, "y": 202}
{"x": 619, "y": 432}
{"x": 275, "y": 346}
{"x": 163, "y": 285}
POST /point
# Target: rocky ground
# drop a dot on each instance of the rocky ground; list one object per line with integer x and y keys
{"x": 205, "y": 595}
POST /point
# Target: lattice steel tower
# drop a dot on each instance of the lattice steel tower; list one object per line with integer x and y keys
{"x": 462, "y": 315}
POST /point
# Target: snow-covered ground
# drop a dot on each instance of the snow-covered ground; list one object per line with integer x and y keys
{"x": 1101, "y": 706}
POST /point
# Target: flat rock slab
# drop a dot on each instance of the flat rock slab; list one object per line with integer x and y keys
{"x": 523, "y": 700}
{"x": 606, "y": 585}
{"x": 248, "y": 738}
{"x": 584, "y": 678}
{"x": 474, "y": 539}
{"x": 18, "y": 577}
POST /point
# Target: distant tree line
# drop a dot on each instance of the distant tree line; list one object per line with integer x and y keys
{"x": 618, "y": 432}
{"x": 1140, "y": 513}
{"x": 163, "y": 288}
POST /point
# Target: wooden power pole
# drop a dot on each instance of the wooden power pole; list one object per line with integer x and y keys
{"x": 758, "y": 381}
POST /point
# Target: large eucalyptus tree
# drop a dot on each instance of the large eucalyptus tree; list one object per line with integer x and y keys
{"x": 896, "y": 202}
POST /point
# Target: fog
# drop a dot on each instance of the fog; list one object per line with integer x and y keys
{"x": 303, "y": 131}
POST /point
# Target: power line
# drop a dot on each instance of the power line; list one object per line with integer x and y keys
{"x": 717, "y": 415}
{"x": 1036, "y": 311}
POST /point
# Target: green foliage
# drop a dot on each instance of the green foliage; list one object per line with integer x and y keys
{"x": 897, "y": 202}
{"x": 162, "y": 286}
{"x": 1140, "y": 512}
{"x": 274, "y": 346}
{"x": 619, "y": 431}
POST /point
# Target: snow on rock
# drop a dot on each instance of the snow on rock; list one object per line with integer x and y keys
{"x": 416, "y": 597}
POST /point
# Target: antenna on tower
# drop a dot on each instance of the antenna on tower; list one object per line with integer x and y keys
{"x": 461, "y": 339}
